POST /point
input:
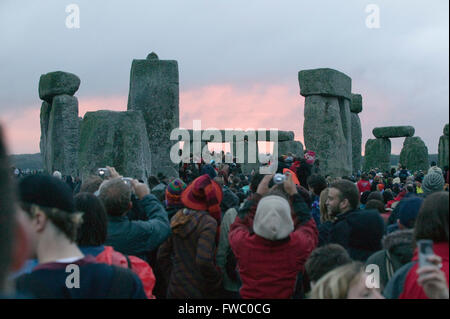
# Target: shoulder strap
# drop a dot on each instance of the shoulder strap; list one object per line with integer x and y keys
{"x": 121, "y": 284}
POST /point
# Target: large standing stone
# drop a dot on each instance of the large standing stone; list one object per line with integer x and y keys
{"x": 377, "y": 154}
{"x": 117, "y": 139}
{"x": 393, "y": 131}
{"x": 57, "y": 83}
{"x": 327, "y": 127}
{"x": 61, "y": 145}
{"x": 414, "y": 154}
{"x": 443, "y": 149}
{"x": 323, "y": 132}
{"x": 154, "y": 91}
{"x": 356, "y": 142}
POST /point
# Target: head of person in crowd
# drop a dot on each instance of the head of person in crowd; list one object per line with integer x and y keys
{"x": 91, "y": 184}
{"x": 324, "y": 213}
{"x": 50, "y": 209}
{"x": 173, "y": 194}
{"x": 273, "y": 220}
{"x": 435, "y": 169}
{"x": 432, "y": 183}
{"x": 408, "y": 210}
{"x": 316, "y": 184}
{"x": 364, "y": 177}
{"x": 376, "y": 205}
{"x": 256, "y": 179}
{"x": 14, "y": 234}
{"x": 57, "y": 174}
{"x": 303, "y": 171}
{"x": 387, "y": 196}
{"x": 324, "y": 259}
{"x": 364, "y": 197}
{"x": 93, "y": 230}
{"x": 115, "y": 195}
{"x": 203, "y": 194}
{"x": 345, "y": 282}
{"x": 432, "y": 220}
{"x": 375, "y": 195}
{"x": 343, "y": 196}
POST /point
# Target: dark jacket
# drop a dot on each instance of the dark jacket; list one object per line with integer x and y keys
{"x": 398, "y": 251}
{"x": 95, "y": 281}
{"x": 360, "y": 232}
{"x": 138, "y": 238}
{"x": 187, "y": 257}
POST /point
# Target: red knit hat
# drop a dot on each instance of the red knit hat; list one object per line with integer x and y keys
{"x": 203, "y": 194}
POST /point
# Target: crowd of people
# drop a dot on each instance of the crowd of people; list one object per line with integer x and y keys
{"x": 216, "y": 232}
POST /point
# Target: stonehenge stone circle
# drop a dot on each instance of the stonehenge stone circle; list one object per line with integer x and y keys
{"x": 414, "y": 154}
{"x": 443, "y": 149}
{"x": 377, "y": 154}
{"x": 57, "y": 83}
{"x": 327, "y": 126}
{"x": 117, "y": 139}
{"x": 393, "y": 131}
{"x": 154, "y": 90}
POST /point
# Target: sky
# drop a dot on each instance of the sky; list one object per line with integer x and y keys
{"x": 238, "y": 60}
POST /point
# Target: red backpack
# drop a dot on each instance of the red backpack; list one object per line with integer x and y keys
{"x": 138, "y": 266}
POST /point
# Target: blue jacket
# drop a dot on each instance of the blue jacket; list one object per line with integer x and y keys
{"x": 138, "y": 237}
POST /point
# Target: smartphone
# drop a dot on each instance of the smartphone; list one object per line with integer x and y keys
{"x": 425, "y": 248}
{"x": 103, "y": 172}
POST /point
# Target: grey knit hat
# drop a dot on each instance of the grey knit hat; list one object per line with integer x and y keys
{"x": 433, "y": 182}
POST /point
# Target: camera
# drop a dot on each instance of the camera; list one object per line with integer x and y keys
{"x": 103, "y": 172}
{"x": 279, "y": 178}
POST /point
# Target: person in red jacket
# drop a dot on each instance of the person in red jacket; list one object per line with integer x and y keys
{"x": 432, "y": 224}
{"x": 363, "y": 184}
{"x": 270, "y": 244}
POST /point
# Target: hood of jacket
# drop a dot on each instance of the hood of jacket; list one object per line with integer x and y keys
{"x": 399, "y": 244}
{"x": 185, "y": 222}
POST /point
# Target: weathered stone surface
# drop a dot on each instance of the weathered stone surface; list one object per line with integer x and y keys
{"x": 443, "y": 156}
{"x": 117, "y": 139}
{"x": 393, "y": 131}
{"x": 377, "y": 154}
{"x": 356, "y": 142}
{"x": 57, "y": 83}
{"x": 327, "y": 131}
{"x": 414, "y": 154}
{"x": 154, "y": 91}
{"x": 294, "y": 147}
{"x": 446, "y": 129}
{"x": 356, "y": 106}
{"x": 327, "y": 82}
{"x": 45, "y": 118}
{"x": 61, "y": 142}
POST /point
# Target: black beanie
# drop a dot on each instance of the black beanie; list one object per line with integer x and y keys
{"x": 46, "y": 191}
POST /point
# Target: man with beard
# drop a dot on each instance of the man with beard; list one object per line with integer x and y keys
{"x": 360, "y": 232}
